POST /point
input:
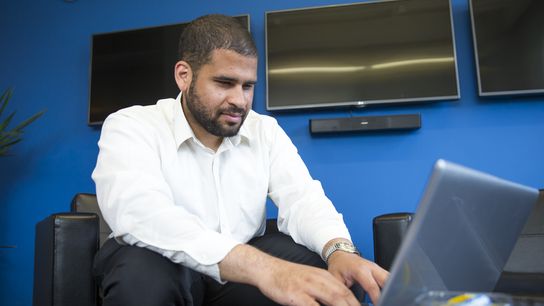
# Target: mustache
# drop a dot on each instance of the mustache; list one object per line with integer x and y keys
{"x": 233, "y": 110}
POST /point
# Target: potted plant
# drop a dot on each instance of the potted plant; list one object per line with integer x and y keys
{"x": 9, "y": 137}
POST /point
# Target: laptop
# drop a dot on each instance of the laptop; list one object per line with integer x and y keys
{"x": 462, "y": 234}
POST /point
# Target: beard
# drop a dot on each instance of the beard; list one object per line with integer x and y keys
{"x": 209, "y": 119}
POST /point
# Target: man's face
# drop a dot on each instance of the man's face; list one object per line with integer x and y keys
{"x": 220, "y": 96}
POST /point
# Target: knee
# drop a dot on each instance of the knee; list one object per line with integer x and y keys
{"x": 142, "y": 277}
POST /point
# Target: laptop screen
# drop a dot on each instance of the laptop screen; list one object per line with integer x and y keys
{"x": 463, "y": 232}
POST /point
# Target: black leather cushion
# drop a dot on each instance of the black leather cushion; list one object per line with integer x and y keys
{"x": 64, "y": 250}
{"x": 389, "y": 230}
{"x": 87, "y": 203}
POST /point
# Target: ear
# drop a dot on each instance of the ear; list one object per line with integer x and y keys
{"x": 183, "y": 75}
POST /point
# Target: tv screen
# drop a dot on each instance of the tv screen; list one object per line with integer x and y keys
{"x": 365, "y": 53}
{"x": 134, "y": 67}
{"x": 509, "y": 46}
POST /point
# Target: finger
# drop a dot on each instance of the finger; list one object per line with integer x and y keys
{"x": 342, "y": 299}
{"x": 369, "y": 284}
{"x": 380, "y": 275}
{"x": 307, "y": 300}
{"x": 340, "y": 278}
{"x": 374, "y": 293}
{"x": 331, "y": 291}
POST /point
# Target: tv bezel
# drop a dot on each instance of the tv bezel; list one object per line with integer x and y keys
{"x": 494, "y": 93}
{"x": 358, "y": 104}
{"x": 100, "y": 122}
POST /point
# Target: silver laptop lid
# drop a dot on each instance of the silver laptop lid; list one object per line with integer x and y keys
{"x": 462, "y": 234}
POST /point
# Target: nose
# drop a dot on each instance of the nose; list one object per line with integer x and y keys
{"x": 238, "y": 96}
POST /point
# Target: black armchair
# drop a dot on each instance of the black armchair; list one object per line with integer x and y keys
{"x": 64, "y": 250}
{"x": 66, "y": 243}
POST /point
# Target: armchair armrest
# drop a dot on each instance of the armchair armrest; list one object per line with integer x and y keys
{"x": 65, "y": 245}
{"x": 388, "y": 231}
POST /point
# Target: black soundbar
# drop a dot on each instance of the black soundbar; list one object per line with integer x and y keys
{"x": 363, "y": 124}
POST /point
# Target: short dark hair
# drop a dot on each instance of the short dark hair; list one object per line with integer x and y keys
{"x": 211, "y": 32}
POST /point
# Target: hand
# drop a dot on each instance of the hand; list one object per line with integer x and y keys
{"x": 294, "y": 284}
{"x": 284, "y": 282}
{"x": 350, "y": 268}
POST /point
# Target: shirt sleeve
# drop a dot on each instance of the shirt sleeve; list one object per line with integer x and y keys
{"x": 135, "y": 199}
{"x": 304, "y": 211}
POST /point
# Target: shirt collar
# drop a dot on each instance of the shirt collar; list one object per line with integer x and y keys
{"x": 183, "y": 131}
{"x": 243, "y": 134}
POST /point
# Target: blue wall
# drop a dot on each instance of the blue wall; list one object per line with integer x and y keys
{"x": 45, "y": 53}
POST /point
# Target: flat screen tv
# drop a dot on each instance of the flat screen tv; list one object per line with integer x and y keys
{"x": 373, "y": 52}
{"x": 134, "y": 67}
{"x": 508, "y": 38}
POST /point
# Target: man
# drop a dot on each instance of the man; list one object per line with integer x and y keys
{"x": 183, "y": 185}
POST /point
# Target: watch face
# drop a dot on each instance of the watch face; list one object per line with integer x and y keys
{"x": 348, "y": 247}
{"x": 341, "y": 246}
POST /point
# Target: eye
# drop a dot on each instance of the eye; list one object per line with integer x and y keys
{"x": 224, "y": 83}
{"x": 248, "y": 86}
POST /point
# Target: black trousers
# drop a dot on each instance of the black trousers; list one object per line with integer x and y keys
{"x": 129, "y": 275}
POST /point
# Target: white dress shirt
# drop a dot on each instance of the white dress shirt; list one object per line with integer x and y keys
{"x": 159, "y": 187}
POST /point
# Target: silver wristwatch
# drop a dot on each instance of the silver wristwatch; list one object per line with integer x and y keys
{"x": 343, "y": 246}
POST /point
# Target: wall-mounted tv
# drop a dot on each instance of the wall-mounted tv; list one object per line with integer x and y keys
{"x": 359, "y": 54}
{"x": 134, "y": 67}
{"x": 508, "y": 38}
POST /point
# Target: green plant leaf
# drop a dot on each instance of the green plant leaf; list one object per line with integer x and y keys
{"x": 12, "y": 142}
{"x": 4, "y": 100}
{"x": 5, "y": 123}
{"x": 5, "y": 147}
{"x": 28, "y": 121}
{"x": 9, "y": 138}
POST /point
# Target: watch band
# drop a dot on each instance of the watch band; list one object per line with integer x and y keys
{"x": 343, "y": 246}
